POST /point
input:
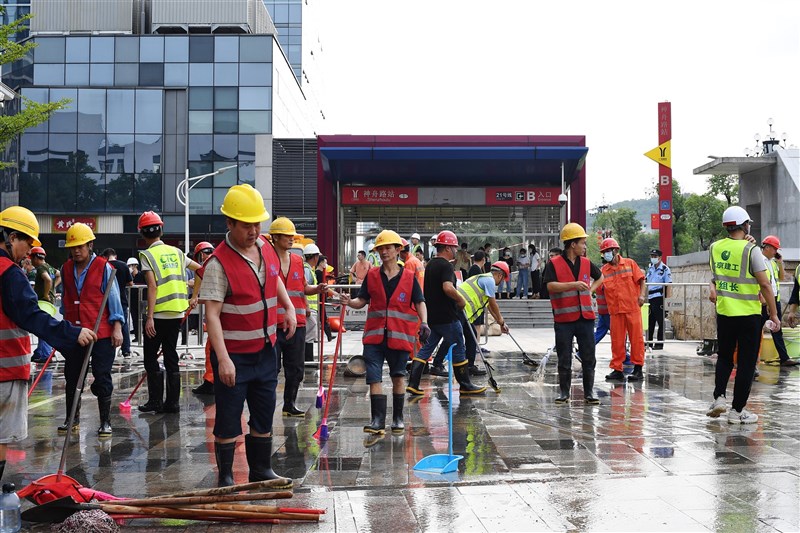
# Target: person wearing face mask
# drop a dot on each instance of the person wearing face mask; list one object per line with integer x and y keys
{"x": 658, "y": 272}
{"x": 625, "y": 291}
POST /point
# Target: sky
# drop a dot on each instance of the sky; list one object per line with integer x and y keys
{"x": 569, "y": 67}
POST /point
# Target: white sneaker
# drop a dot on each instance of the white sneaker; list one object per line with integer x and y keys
{"x": 743, "y": 417}
{"x": 717, "y": 407}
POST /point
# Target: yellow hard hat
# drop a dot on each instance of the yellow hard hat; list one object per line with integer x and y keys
{"x": 244, "y": 203}
{"x": 572, "y": 231}
{"x": 388, "y": 236}
{"x": 21, "y": 219}
{"x": 79, "y": 233}
{"x": 282, "y": 226}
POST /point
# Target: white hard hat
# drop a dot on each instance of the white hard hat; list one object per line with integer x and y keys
{"x": 735, "y": 216}
{"x": 415, "y": 236}
{"x": 132, "y": 261}
{"x": 311, "y": 249}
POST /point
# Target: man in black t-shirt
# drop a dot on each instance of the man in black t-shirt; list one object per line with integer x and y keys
{"x": 444, "y": 305}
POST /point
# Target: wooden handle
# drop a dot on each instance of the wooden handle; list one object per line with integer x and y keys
{"x": 194, "y": 500}
{"x": 280, "y": 483}
{"x": 187, "y": 514}
{"x": 272, "y": 512}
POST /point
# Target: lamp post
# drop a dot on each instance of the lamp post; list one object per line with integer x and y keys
{"x": 182, "y": 193}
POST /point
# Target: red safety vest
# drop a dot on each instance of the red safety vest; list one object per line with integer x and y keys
{"x": 394, "y": 318}
{"x": 15, "y": 343}
{"x": 602, "y": 305}
{"x": 245, "y": 325}
{"x": 569, "y": 306}
{"x": 295, "y": 287}
{"x": 82, "y": 309}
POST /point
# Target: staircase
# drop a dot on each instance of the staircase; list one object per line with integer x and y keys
{"x": 527, "y": 313}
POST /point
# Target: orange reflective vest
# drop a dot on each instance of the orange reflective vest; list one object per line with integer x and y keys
{"x": 82, "y": 309}
{"x": 250, "y": 313}
{"x": 295, "y": 287}
{"x": 621, "y": 283}
{"x": 393, "y": 320}
{"x": 415, "y": 266}
{"x": 602, "y": 305}
{"x": 15, "y": 343}
{"x": 569, "y": 306}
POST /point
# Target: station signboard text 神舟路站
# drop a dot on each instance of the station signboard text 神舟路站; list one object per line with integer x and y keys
{"x": 379, "y": 195}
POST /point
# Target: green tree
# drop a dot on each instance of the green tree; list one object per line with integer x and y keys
{"x": 622, "y": 224}
{"x": 31, "y": 113}
{"x": 642, "y": 244}
{"x": 725, "y": 185}
{"x": 703, "y": 215}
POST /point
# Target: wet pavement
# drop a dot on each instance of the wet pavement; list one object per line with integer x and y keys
{"x": 646, "y": 459}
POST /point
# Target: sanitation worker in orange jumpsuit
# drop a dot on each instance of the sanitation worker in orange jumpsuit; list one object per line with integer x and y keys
{"x": 626, "y": 292}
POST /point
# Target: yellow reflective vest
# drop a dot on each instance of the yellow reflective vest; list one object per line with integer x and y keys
{"x": 168, "y": 265}
{"x": 737, "y": 288}
{"x": 313, "y": 299}
{"x": 774, "y": 271}
{"x": 474, "y": 295}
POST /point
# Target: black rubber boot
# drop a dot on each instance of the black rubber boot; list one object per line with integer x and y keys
{"x": 615, "y": 375}
{"x": 377, "y": 404}
{"x": 637, "y": 374}
{"x": 588, "y": 387}
{"x": 155, "y": 393}
{"x": 414, "y": 375}
{"x": 289, "y": 397}
{"x": 564, "y": 384}
{"x": 224, "y": 454}
{"x": 172, "y": 404}
{"x": 309, "y": 355}
{"x": 259, "y": 460}
{"x": 104, "y": 406}
{"x": 76, "y": 423}
{"x": 205, "y": 388}
{"x": 462, "y": 375}
{"x": 398, "y": 400}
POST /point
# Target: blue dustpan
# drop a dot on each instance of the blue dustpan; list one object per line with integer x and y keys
{"x": 441, "y": 463}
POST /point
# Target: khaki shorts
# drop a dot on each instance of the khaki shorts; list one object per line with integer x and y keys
{"x": 13, "y": 411}
{"x": 312, "y": 326}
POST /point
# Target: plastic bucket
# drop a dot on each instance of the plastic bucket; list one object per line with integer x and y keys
{"x": 645, "y": 316}
{"x": 47, "y": 307}
{"x": 791, "y": 337}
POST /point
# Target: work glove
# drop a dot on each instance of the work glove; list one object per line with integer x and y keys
{"x": 424, "y": 332}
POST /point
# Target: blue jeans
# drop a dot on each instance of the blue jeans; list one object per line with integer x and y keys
{"x": 42, "y": 351}
{"x": 603, "y": 325}
{"x": 523, "y": 282}
{"x": 452, "y": 333}
{"x": 126, "y": 333}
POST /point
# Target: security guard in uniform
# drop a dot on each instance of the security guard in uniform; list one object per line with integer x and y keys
{"x": 164, "y": 268}
{"x": 658, "y": 272}
{"x": 739, "y": 275}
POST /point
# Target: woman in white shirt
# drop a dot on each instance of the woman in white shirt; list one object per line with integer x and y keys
{"x": 536, "y": 280}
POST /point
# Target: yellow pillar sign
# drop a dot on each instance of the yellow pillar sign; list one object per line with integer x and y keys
{"x": 661, "y": 154}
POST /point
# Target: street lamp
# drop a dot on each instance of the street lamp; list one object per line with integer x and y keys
{"x": 182, "y": 192}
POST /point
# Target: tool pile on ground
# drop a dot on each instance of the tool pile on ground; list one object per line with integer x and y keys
{"x": 207, "y": 505}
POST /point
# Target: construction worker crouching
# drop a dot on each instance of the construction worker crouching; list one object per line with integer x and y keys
{"x": 739, "y": 276}
{"x": 19, "y": 315}
{"x": 571, "y": 279}
{"x": 396, "y": 307}
{"x": 626, "y": 292}
{"x": 242, "y": 290}
{"x": 86, "y": 278}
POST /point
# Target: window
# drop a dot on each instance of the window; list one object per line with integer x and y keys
{"x": 254, "y": 74}
{"x": 91, "y": 191}
{"x": 91, "y": 110}
{"x": 225, "y": 148}
{"x": 118, "y": 192}
{"x": 49, "y": 50}
{"x": 44, "y": 74}
{"x": 127, "y": 49}
{"x": 226, "y": 49}
{"x": 61, "y": 193}
{"x": 148, "y": 154}
{"x": 126, "y": 75}
{"x": 64, "y": 120}
{"x": 201, "y": 121}
{"x": 201, "y": 74}
{"x": 149, "y": 112}
{"x": 255, "y": 49}
{"x": 226, "y": 98}
{"x": 176, "y": 49}
{"x": 92, "y": 152}
{"x": 120, "y": 110}
{"x": 255, "y": 122}
{"x": 77, "y": 50}
{"x": 201, "y": 98}
{"x": 200, "y": 147}
{"x": 226, "y": 74}
{"x": 102, "y": 50}
{"x": 201, "y": 49}
{"x": 176, "y": 74}
{"x": 151, "y": 49}
{"x": 119, "y": 153}
{"x": 255, "y": 98}
{"x": 77, "y": 74}
{"x": 102, "y": 74}
{"x": 151, "y": 74}
{"x": 226, "y": 122}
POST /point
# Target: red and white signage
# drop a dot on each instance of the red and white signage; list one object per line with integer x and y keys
{"x": 379, "y": 195}
{"x": 62, "y": 223}
{"x": 522, "y": 195}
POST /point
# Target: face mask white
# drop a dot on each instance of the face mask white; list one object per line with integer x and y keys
{"x": 654, "y": 261}
{"x": 608, "y": 256}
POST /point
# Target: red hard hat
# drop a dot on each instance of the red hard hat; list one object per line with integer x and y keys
{"x": 772, "y": 240}
{"x": 608, "y": 243}
{"x": 38, "y": 250}
{"x": 502, "y": 265}
{"x": 447, "y": 238}
{"x": 149, "y": 218}
{"x": 205, "y": 245}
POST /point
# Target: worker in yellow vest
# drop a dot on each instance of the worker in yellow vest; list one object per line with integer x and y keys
{"x": 739, "y": 275}
{"x": 168, "y": 300}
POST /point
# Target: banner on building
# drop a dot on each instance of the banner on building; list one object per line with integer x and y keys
{"x": 62, "y": 223}
{"x": 380, "y": 195}
{"x": 522, "y": 196}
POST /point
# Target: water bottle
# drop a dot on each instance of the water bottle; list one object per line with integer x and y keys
{"x": 10, "y": 520}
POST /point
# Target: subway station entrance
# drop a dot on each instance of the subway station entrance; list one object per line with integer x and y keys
{"x": 502, "y": 190}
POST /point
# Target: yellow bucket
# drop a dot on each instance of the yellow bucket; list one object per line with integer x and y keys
{"x": 47, "y": 307}
{"x": 645, "y": 316}
{"x": 791, "y": 337}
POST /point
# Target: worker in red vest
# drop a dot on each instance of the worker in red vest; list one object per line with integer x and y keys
{"x": 202, "y": 251}
{"x": 396, "y": 314}
{"x": 571, "y": 279}
{"x": 242, "y": 289}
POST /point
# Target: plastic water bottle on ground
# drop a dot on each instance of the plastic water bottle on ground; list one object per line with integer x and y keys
{"x": 10, "y": 520}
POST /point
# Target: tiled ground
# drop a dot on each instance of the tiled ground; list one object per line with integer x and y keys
{"x": 646, "y": 459}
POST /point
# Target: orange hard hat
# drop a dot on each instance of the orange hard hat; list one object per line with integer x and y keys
{"x": 203, "y": 246}
{"x": 38, "y": 250}
{"x": 502, "y": 266}
{"x": 149, "y": 218}
{"x": 608, "y": 244}
{"x": 447, "y": 238}
{"x": 772, "y": 240}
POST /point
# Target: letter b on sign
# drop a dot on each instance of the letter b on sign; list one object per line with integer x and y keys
{"x": 664, "y": 180}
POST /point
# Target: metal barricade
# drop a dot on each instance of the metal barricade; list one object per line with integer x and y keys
{"x": 687, "y": 310}
{"x": 138, "y": 316}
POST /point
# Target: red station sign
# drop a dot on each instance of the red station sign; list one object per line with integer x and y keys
{"x": 379, "y": 195}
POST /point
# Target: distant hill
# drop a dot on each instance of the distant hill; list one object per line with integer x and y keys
{"x": 643, "y": 207}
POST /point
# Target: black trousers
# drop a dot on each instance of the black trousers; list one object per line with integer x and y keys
{"x": 581, "y": 330}
{"x": 166, "y": 338}
{"x": 656, "y": 316}
{"x": 777, "y": 336}
{"x": 292, "y": 355}
{"x": 743, "y": 334}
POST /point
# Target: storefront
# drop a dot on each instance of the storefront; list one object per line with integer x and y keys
{"x": 502, "y": 190}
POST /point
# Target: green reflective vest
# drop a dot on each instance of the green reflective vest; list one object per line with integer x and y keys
{"x": 168, "y": 265}
{"x": 773, "y": 271}
{"x": 474, "y": 295}
{"x": 737, "y": 288}
{"x": 312, "y": 300}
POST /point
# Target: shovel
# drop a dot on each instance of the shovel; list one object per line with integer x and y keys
{"x": 443, "y": 463}
{"x": 526, "y": 359}
{"x": 489, "y": 367}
